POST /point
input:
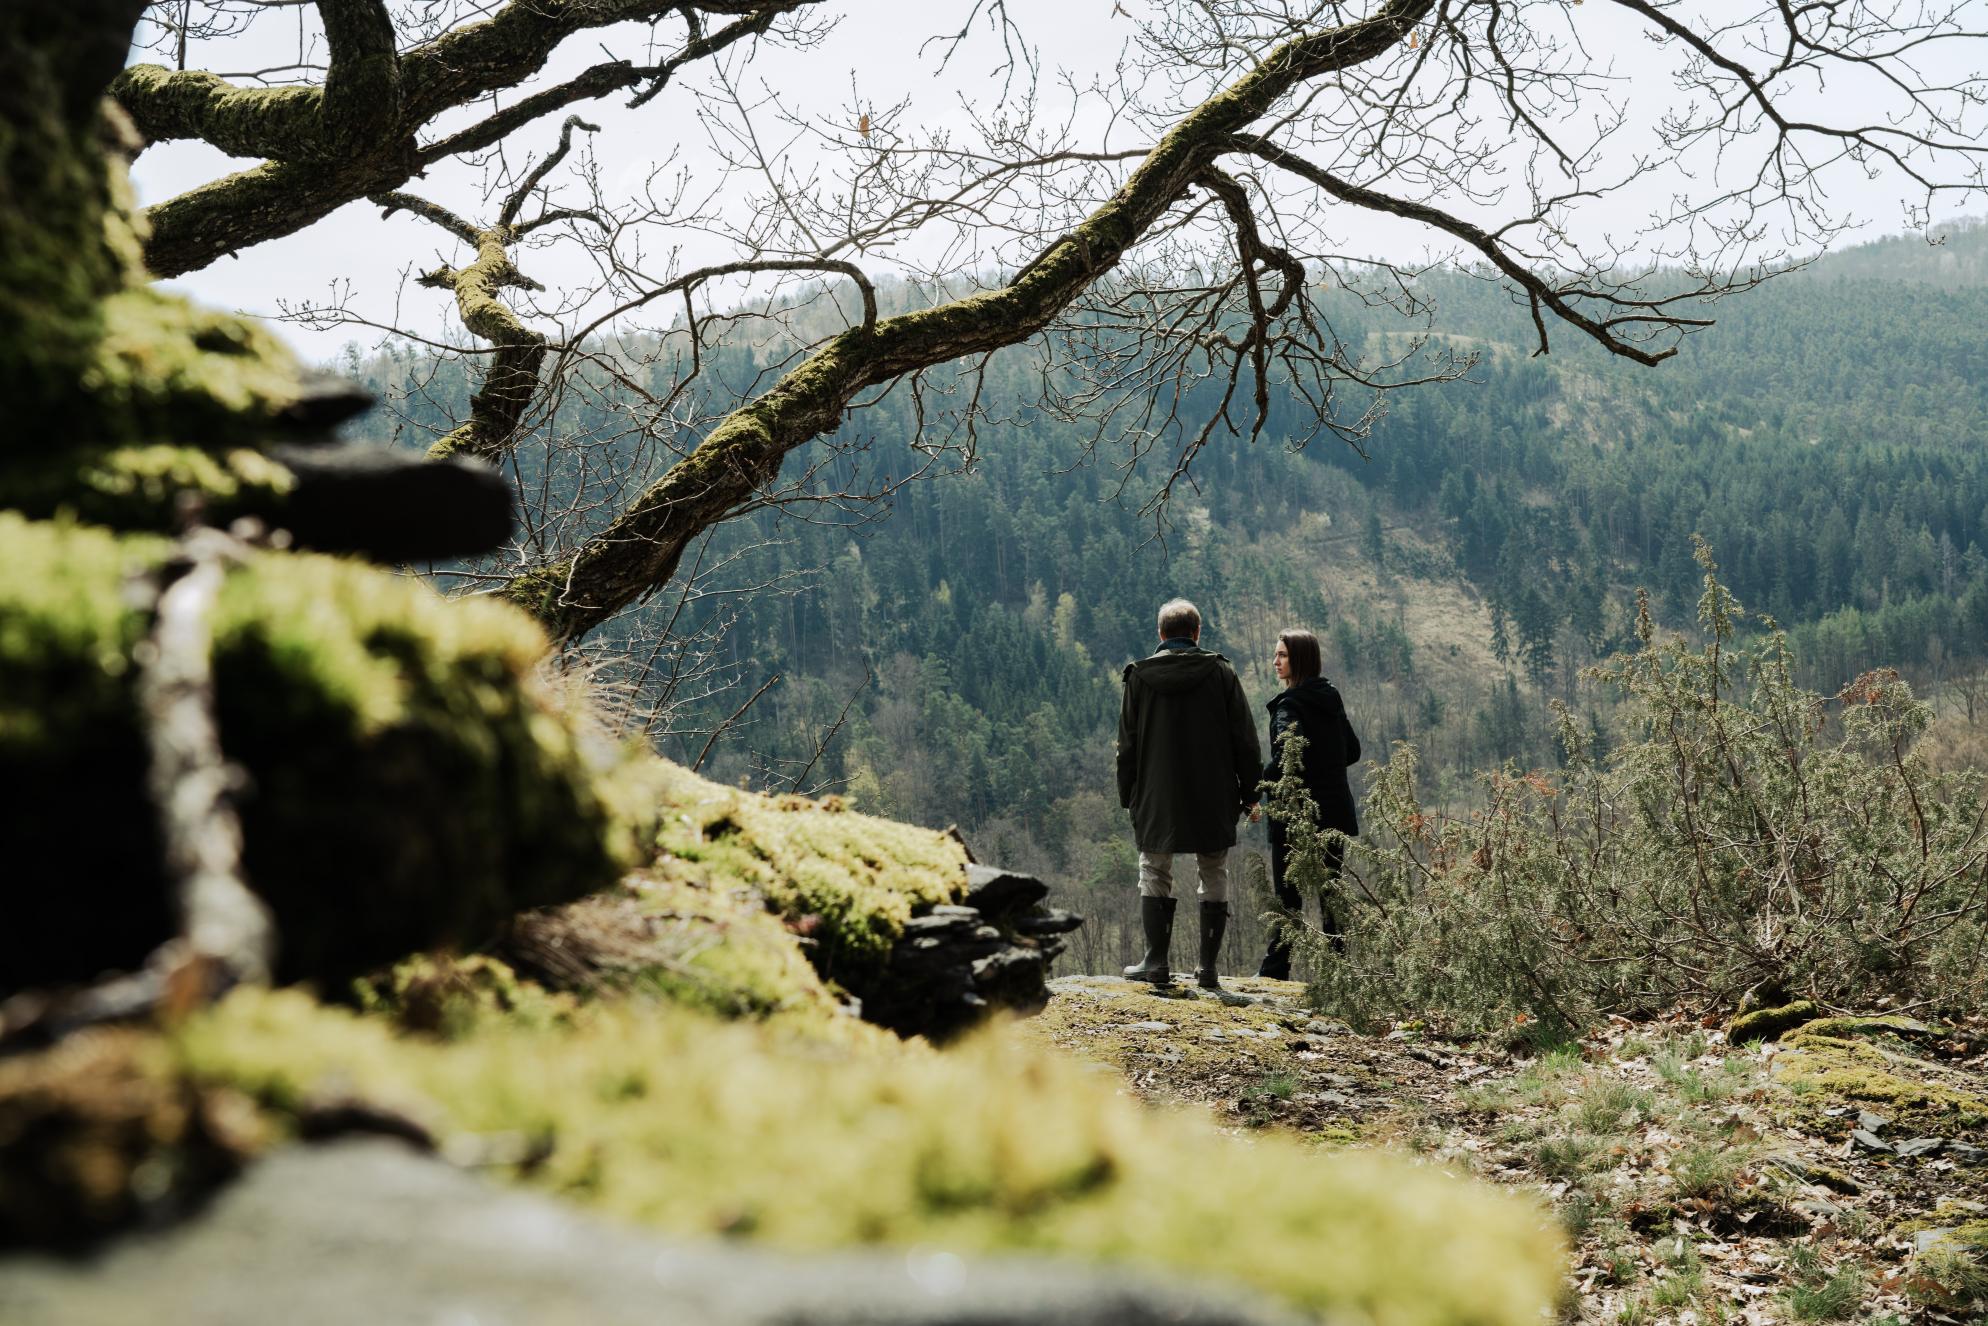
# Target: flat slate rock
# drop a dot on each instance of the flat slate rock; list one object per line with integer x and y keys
{"x": 998, "y": 892}
{"x": 369, "y": 1231}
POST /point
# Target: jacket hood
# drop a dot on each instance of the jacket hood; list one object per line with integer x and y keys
{"x": 1312, "y": 699}
{"x": 1173, "y": 670}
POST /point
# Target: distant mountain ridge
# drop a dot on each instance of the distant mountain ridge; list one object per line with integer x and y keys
{"x": 1952, "y": 253}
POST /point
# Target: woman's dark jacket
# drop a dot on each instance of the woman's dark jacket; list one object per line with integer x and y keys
{"x": 1187, "y": 750}
{"x": 1314, "y": 710}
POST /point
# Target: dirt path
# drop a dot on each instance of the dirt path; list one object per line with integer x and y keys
{"x": 1841, "y": 1176}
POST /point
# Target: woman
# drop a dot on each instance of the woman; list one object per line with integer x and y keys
{"x": 1310, "y": 707}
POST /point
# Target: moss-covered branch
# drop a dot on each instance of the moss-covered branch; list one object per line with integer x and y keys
{"x": 265, "y": 202}
{"x": 499, "y": 405}
{"x": 280, "y": 123}
{"x": 362, "y": 86}
{"x": 640, "y": 550}
{"x": 323, "y": 147}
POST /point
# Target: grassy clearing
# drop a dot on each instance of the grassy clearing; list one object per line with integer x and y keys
{"x": 1660, "y": 1150}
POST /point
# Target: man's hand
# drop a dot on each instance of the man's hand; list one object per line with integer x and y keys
{"x": 1254, "y": 811}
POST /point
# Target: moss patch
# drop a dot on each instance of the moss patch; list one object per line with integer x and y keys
{"x": 133, "y": 488}
{"x": 1889, "y": 1028}
{"x": 1949, "y": 1266}
{"x": 410, "y": 781}
{"x": 451, "y": 997}
{"x": 1821, "y": 1071}
{"x": 711, "y": 947}
{"x": 667, "y": 1117}
{"x": 848, "y": 881}
{"x": 1769, "y": 1024}
{"x": 168, "y": 370}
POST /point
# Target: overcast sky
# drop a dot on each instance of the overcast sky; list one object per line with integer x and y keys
{"x": 872, "y": 58}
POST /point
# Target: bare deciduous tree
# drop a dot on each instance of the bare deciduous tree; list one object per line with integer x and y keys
{"x": 1169, "y": 238}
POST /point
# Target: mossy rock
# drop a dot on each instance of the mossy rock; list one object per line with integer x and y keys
{"x": 101, "y": 1131}
{"x": 1893, "y": 1028}
{"x": 409, "y": 781}
{"x": 1769, "y": 1024}
{"x": 847, "y": 881}
{"x": 1949, "y": 1267}
{"x": 709, "y": 946}
{"x": 1820, "y": 1071}
{"x": 807, "y": 1135}
{"x": 135, "y": 488}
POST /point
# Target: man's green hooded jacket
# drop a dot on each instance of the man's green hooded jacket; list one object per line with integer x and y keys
{"x": 1188, "y": 757}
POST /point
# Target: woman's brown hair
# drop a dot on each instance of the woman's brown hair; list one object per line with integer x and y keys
{"x": 1301, "y": 647}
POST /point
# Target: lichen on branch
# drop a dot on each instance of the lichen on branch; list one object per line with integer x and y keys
{"x": 321, "y": 147}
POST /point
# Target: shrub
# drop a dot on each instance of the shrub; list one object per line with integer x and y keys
{"x": 1745, "y": 833}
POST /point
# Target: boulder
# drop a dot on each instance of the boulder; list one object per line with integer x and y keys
{"x": 1768, "y": 1024}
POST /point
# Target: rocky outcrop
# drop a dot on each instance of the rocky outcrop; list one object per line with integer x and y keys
{"x": 955, "y": 963}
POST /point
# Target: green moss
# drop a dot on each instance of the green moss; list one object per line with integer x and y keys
{"x": 409, "y": 780}
{"x": 132, "y": 488}
{"x": 665, "y": 1117}
{"x": 281, "y": 122}
{"x": 65, "y": 235}
{"x": 451, "y": 997}
{"x": 90, "y": 358}
{"x": 1955, "y": 1221}
{"x": 1820, "y": 1072}
{"x": 1768, "y": 1024}
{"x": 1889, "y": 1027}
{"x": 713, "y": 948}
{"x": 850, "y": 880}
{"x": 165, "y": 370}
{"x": 1949, "y": 1266}
{"x": 1831, "y": 1178}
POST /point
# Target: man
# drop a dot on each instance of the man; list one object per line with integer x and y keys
{"x": 1187, "y": 768}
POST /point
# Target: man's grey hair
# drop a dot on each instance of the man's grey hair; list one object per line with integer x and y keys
{"x": 1179, "y": 619}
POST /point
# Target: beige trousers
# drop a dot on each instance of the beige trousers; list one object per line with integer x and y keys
{"x": 1156, "y": 874}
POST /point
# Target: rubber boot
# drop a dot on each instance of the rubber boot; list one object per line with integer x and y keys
{"x": 1214, "y": 920}
{"x": 1156, "y": 916}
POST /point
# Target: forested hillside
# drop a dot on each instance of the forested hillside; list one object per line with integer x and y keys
{"x": 951, "y": 656}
